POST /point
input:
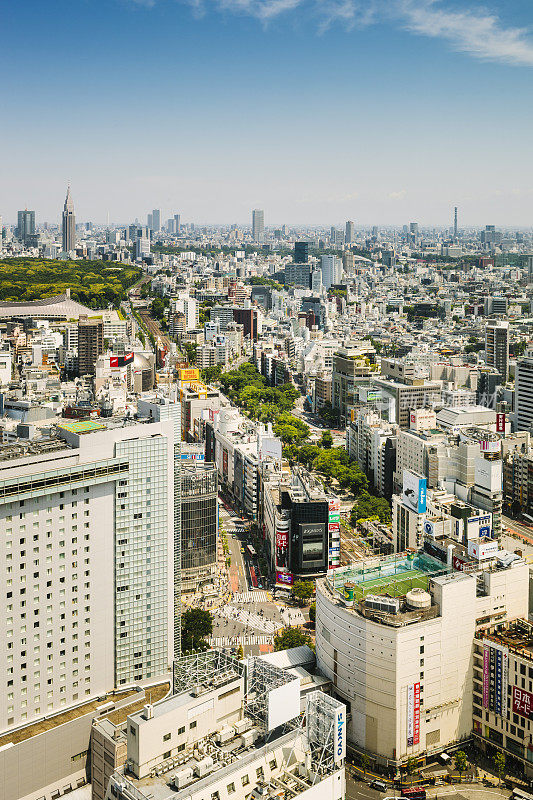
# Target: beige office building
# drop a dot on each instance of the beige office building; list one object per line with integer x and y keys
{"x": 404, "y": 665}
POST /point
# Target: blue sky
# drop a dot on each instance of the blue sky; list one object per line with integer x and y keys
{"x": 380, "y": 111}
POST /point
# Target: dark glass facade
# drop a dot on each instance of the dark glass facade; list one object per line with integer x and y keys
{"x": 199, "y": 489}
{"x": 308, "y": 535}
{"x": 301, "y": 252}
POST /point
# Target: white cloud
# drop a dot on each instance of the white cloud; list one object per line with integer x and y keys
{"x": 478, "y": 33}
{"x": 474, "y": 31}
{"x": 264, "y": 10}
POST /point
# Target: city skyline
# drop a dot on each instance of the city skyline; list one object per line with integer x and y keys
{"x": 272, "y": 106}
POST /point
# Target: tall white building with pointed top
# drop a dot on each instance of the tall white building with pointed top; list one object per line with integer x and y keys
{"x": 69, "y": 224}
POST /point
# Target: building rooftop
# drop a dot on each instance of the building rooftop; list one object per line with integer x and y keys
{"x": 392, "y": 575}
{"x": 28, "y": 448}
{"x": 516, "y": 635}
{"x": 82, "y": 426}
{"x": 227, "y": 760}
{"x": 59, "y": 307}
{"x": 115, "y": 715}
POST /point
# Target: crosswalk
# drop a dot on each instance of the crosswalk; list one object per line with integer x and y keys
{"x": 248, "y": 618}
{"x": 293, "y": 617}
{"x": 258, "y": 596}
{"x": 232, "y": 641}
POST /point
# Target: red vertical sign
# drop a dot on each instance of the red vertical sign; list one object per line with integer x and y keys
{"x": 416, "y": 715}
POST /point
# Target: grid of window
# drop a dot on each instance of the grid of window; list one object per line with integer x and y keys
{"x": 141, "y": 563}
{"x": 199, "y": 486}
{"x": 46, "y": 661}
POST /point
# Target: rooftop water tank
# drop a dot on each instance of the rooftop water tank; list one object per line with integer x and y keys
{"x": 418, "y": 598}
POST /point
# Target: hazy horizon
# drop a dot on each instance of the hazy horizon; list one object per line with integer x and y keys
{"x": 317, "y": 111}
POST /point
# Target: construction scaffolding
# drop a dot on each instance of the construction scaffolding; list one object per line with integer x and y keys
{"x": 326, "y": 732}
{"x": 205, "y": 669}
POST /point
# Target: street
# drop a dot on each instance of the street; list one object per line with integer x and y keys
{"x": 251, "y": 618}
{"x": 519, "y": 528}
{"x": 358, "y": 790}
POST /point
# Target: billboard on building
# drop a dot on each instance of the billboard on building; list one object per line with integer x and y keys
{"x": 339, "y": 727}
{"x": 282, "y": 549}
{"x": 283, "y": 704}
{"x": 458, "y": 563}
{"x": 495, "y": 677}
{"x": 121, "y": 361}
{"x": 482, "y": 548}
{"x": 225, "y": 463}
{"x": 522, "y": 702}
{"x": 414, "y": 493}
{"x": 500, "y": 423}
{"x": 285, "y": 578}
{"x": 490, "y": 446}
{"x": 334, "y": 531}
{"x": 189, "y": 374}
{"x": 270, "y": 447}
{"x": 413, "y": 714}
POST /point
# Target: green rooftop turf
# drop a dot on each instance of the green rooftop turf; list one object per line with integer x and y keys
{"x": 394, "y": 585}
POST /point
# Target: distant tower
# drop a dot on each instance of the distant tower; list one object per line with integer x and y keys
{"x": 25, "y": 225}
{"x": 349, "y": 235}
{"x": 258, "y": 225}
{"x": 455, "y": 223}
{"x": 69, "y": 224}
{"x": 156, "y": 220}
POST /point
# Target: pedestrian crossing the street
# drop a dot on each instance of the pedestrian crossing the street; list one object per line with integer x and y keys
{"x": 235, "y": 641}
{"x": 248, "y": 618}
{"x": 252, "y": 597}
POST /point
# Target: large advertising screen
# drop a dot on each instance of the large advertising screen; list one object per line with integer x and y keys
{"x": 285, "y": 578}
{"x": 313, "y": 544}
{"x": 282, "y": 549}
{"x": 414, "y": 494}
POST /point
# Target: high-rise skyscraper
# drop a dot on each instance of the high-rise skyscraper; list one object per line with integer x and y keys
{"x": 350, "y": 232}
{"x": 156, "y": 219}
{"x": 90, "y": 344}
{"x": 199, "y": 489}
{"x": 455, "y": 223}
{"x": 331, "y": 267}
{"x": 25, "y": 224}
{"x": 497, "y": 346}
{"x": 100, "y": 610}
{"x": 301, "y": 252}
{"x": 177, "y": 223}
{"x": 524, "y": 392}
{"x": 69, "y": 224}
{"x": 258, "y": 225}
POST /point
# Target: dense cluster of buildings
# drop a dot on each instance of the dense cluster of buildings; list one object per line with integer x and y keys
{"x": 113, "y": 449}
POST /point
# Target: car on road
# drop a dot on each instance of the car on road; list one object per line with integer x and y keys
{"x": 378, "y": 785}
